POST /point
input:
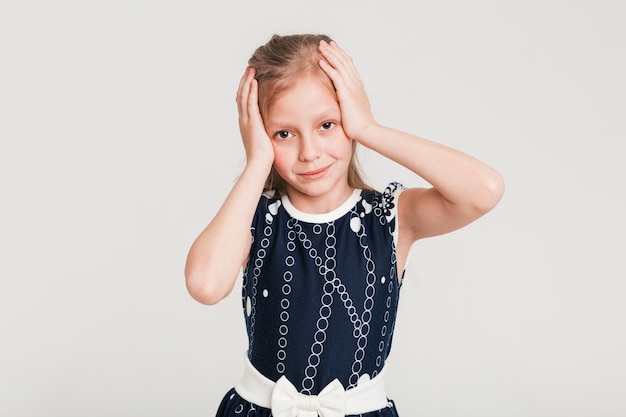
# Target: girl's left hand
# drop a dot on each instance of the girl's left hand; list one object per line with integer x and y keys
{"x": 356, "y": 113}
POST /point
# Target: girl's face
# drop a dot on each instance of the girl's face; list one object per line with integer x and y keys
{"x": 311, "y": 151}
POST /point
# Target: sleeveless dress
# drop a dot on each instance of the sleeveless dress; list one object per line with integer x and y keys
{"x": 320, "y": 295}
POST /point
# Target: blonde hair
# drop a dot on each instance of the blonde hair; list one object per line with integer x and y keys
{"x": 279, "y": 64}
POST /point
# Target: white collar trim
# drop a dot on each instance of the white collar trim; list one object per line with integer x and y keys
{"x": 321, "y": 217}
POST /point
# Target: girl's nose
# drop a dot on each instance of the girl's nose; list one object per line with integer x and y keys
{"x": 309, "y": 149}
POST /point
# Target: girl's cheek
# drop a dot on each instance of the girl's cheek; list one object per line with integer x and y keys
{"x": 279, "y": 148}
{"x": 280, "y": 154}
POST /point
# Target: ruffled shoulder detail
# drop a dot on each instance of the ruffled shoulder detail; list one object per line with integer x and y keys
{"x": 390, "y": 199}
{"x": 389, "y": 205}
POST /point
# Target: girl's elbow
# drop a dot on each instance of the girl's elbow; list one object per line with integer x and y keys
{"x": 205, "y": 290}
{"x": 493, "y": 190}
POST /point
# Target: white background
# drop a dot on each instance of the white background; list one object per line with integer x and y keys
{"x": 119, "y": 140}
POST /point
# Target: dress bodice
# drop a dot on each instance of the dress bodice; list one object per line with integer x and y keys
{"x": 320, "y": 291}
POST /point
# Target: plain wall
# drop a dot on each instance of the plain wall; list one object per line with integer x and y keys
{"x": 119, "y": 141}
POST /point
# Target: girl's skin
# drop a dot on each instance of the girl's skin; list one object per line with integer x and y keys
{"x": 307, "y": 136}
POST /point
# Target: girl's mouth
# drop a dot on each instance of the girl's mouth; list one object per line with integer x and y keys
{"x": 315, "y": 174}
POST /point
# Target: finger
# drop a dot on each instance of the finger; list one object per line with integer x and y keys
{"x": 240, "y": 90}
{"x": 339, "y": 59}
{"x": 242, "y": 82}
{"x": 253, "y": 100}
{"x": 332, "y": 73}
{"x": 243, "y": 77}
{"x": 243, "y": 93}
{"x": 344, "y": 83}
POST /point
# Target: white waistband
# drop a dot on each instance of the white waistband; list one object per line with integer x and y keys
{"x": 284, "y": 400}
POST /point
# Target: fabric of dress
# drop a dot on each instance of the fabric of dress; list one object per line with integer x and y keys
{"x": 320, "y": 295}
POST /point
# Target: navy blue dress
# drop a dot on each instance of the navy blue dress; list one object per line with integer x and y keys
{"x": 320, "y": 295}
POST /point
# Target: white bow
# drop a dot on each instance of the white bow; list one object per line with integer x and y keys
{"x": 288, "y": 402}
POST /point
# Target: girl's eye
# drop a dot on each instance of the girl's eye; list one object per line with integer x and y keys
{"x": 327, "y": 125}
{"x": 283, "y": 134}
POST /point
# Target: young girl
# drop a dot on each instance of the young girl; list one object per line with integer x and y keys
{"x": 323, "y": 254}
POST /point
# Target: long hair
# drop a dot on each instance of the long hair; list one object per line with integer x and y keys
{"x": 279, "y": 64}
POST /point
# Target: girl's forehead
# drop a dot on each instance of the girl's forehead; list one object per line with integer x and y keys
{"x": 306, "y": 90}
{"x": 309, "y": 81}
{"x": 305, "y": 102}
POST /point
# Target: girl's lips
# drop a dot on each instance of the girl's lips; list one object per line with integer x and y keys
{"x": 315, "y": 174}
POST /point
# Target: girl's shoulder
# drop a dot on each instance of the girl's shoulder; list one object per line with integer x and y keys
{"x": 384, "y": 203}
{"x": 394, "y": 188}
{"x": 390, "y": 193}
{"x": 269, "y": 201}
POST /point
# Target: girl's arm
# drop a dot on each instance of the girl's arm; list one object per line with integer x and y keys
{"x": 216, "y": 256}
{"x": 463, "y": 187}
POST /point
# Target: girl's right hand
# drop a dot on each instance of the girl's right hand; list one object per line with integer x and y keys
{"x": 257, "y": 144}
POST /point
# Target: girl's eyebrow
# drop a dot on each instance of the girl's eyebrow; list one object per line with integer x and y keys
{"x": 332, "y": 113}
{"x": 319, "y": 116}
